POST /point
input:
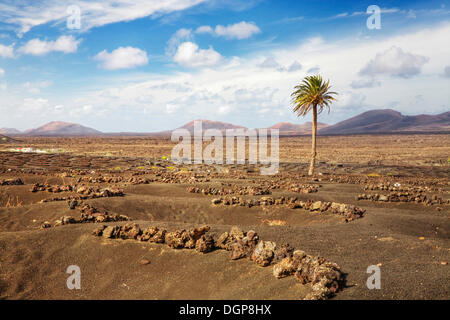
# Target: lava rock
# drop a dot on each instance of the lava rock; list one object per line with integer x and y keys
{"x": 159, "y": 237}
{"x": 284, "y": 268}
{"x": 144, "y": 262}
{"x": 148, "y": 233}
{"x": 263, "y": 253}
{"x": 327, "y": 275}
{"x": 224, "y": 241}
{"x": 177, "y": 239}
{"x": 11, "y": 182}
{"x": 67, "y": 220}
{"x": 130, "y": 231}
{"x": 72, "y": 204}
{"x": 111, "y": 232}
{"x": 204, "y": 244}
{"x": 98, "y": 231}
{"x": 316, "y": 206}
{"x": 46, "y": 225}
{"x": 283, "y": 251}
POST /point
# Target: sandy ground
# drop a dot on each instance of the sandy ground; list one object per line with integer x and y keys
{"x": 409, "y": 241}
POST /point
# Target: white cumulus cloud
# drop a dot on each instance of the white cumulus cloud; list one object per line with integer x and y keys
{"x": 270, "y": 63}
{"x": 178, "y": 37}
{"x": 35, "y": 87}
{"x": 36, "y": 47}
{"x": 6, "y": 51}
{"x": 241, "y": 30}
{"x": 122, "y": 58}
{"x": 35, "y": 104}
{"x": 295, "y": 66}
{"x": 204, "y": 29}
{"x": 190, "y": 55}
{"x": 395, "y": 62}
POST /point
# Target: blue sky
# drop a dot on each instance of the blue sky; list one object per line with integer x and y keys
{"x": 154, "y": 65}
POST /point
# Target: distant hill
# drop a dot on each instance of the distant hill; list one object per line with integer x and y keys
{"x": 292, "y": 129}
{"x": 374, "y": 121}
{"x": 10, "y": 131}
{"x": 206, "y": 124}
{"x": 210, "y": 124}
{"x": 285, "y": 128}
{"x": 388, "y": 120}
{"x": 59, "y": 128}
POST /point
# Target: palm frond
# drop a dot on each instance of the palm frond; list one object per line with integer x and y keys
{"x": 312, "y": 91}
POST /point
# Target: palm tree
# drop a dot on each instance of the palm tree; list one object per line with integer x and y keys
{"x": 312, "y": 94}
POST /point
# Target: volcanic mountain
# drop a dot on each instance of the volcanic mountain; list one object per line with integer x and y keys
{"x": 292, "y": 129}
{"x": 59, "y": 128}
{"x": 9, "y": 131}
{"x": 210, "y": 124}
{"x": 374, "y": 121}
{"x": 388, "y": 120}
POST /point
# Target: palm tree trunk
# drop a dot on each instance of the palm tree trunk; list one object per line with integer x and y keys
{"x": 313, "y": 148}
